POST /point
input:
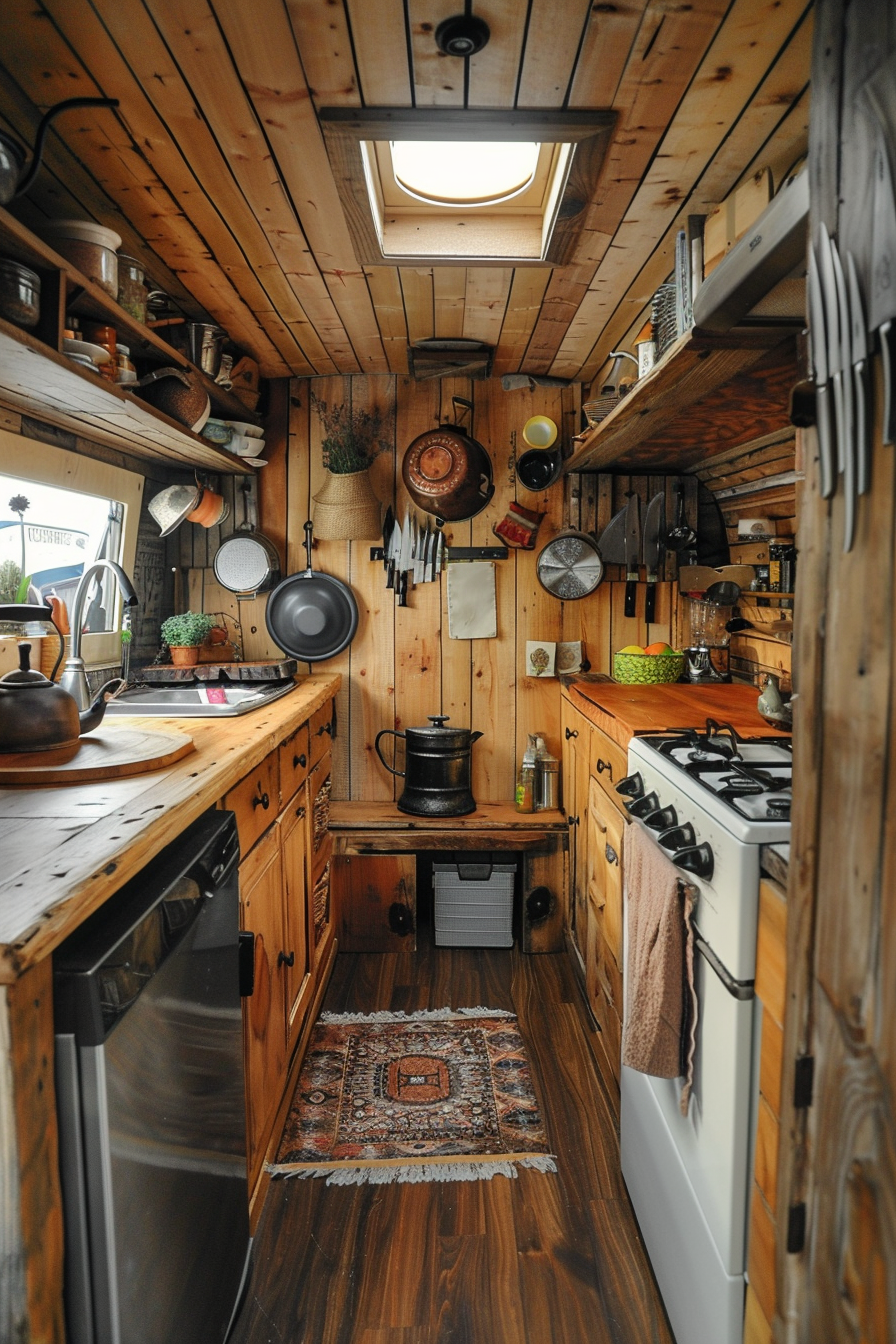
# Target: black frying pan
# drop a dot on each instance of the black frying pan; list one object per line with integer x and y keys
{"x": 312, "y": 616}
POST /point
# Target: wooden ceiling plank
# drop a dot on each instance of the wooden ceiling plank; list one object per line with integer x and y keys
{"x": 387, "y": 298}
{"x": 38, "y": 47}
{"x": 322, "y": 35}
{"x": 192, "y": 35}
{"x": 523, "y": 306}
{"x": 417, "y": 291}
{"x": 381, "y": 53}
{"x": 552, "y": 43}
{"x": 667, "y": 53}
{"x": 449, "y": 285}
{"x": 761, "y": 135}
{"x": 494, "y": 71}
{"x": 269, "y": 65}
{"x": 611, "y": 30}
{"x": 438, "y": 79}
{"x": 485, "y": 302}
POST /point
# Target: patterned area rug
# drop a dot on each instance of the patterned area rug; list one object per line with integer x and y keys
{"x": 435, "y": 1096}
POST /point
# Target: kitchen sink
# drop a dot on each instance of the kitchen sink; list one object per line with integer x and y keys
{"x": 199, "y": 701}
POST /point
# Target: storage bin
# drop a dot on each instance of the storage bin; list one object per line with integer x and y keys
{"x": 473, "y": 911}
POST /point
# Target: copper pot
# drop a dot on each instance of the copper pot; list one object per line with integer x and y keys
{"x": 448, "y": 473}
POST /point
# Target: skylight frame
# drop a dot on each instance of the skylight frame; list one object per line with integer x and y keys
{"x": 347, "y": 130}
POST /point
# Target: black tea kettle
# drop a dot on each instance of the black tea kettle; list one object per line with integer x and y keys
{"x": 437, "y": 769}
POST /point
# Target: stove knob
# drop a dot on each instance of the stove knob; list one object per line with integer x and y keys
{"x": 696, "y": 859}
{"x": 662, "y": 819}
{"x": 679, "y": 837}
{"x": 631, "y": 787}
{"x": 642, "y": 807}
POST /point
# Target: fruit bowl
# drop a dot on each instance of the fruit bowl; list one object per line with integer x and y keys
{"x": 647, "y": 669}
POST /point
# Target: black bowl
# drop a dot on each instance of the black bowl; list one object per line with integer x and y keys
{"x": 539, "y": 468}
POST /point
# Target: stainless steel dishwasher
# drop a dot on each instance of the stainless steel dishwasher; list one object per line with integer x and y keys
{"x": 151, "y": 1101}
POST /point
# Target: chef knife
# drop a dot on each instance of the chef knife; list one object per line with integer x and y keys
{"x": 632, "y": 552}
{"x": 861, "y": 370}
{"x": 388, "y": 522}
{"x": 849, "y": 448}
{"x": 654, "y": 526}
{"x": 818, "y": 338}
{"x": 611, "y": 542}
{"x": 417, "y": 551}
{"x": 404, "y": 562}
{"x": 440, "y": 553}
{"x": 879, "y": 96}
{"x": 832, "y": 327}
{"x": 393, "y": 552}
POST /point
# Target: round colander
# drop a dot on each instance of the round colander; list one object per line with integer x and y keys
{"x": 247, "y": 563}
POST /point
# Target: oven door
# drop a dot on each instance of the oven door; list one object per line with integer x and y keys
{"x": 688, "y": 1175}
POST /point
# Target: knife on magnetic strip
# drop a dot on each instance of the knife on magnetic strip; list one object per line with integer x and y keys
{"x": 861, "y": 372}
{"x": 818, "y": 339}
{"x": 849, "y": 444}
{"x": 833, "y": 323}
{"x": 654, "y": 526}
{"x": 632, "y": 552}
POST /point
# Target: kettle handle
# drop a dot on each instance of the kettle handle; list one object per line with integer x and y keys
{"x": 474, "y": 737}
{"x": 376, "y": 744}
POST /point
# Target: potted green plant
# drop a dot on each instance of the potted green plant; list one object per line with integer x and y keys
{"x": 184, "y": 633}
{"x": 346, "y": 507}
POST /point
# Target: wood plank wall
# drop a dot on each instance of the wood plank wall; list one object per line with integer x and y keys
{"x": 402, "y": 665}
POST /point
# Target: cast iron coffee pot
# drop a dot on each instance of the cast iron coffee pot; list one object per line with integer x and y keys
{"x": 436, "y": 769}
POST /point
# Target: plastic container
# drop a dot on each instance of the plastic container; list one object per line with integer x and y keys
{"x": 19, "y": 293}
{"x": 90, "y": 247}
{"x": 132, "y": 292}
{"x": 473, "y": 912}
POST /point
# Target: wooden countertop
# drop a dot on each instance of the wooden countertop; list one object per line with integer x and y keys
{"x": 623, "y": 711}
{"x": 65, "y": 850}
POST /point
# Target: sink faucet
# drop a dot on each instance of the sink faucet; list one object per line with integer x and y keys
{"x": 74, "y": 674}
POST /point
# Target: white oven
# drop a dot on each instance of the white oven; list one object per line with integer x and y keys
{"x": 689, "y": 1176}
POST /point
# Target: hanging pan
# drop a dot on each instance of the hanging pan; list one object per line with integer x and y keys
{"x": 247, "y": 563}
{"x": 312, "y": 616}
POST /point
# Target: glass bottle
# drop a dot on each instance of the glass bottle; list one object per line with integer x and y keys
{"x": 526, "y": 780}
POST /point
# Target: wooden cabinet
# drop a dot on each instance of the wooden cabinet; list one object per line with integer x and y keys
{"x": 255, "y": 802}
{"x": 298, "y": 980}
{"x": 377, "y": 898}
{"x": 575, "y": 773}
{"x": 319, "y": 863}
{"x": 294, "y": 761}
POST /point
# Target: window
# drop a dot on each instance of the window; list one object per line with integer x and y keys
{"x": 58, "y": 513}
{"x": 439, "y": 185}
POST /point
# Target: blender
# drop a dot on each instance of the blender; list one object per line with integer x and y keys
{"x": 707, "y": 654}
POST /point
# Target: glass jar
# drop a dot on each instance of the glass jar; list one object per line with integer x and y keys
{"x": 124, "y": 368}
{"x": 19, "y": 293}
{"x": 132, "y": 292}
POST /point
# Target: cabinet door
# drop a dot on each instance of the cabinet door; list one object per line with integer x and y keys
{"x": 318, "y": 866}
{"x": 376, "y": 897}
{"x": 606, "y": 835}
{"x": 609, "y": 762}
{"x": 296, "y": 960}
{"x": 321, "y": 730}
{"x": 255, "y": 801}
{"x": 294, "y": 757}
{"x": 576, "y": 751}
{"x": 264, "y": 1023}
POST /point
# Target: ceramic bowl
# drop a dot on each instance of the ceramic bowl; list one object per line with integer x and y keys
{"x": 244, "y": 446}
{"x": 540, "y": 431}
{"x": 243, "y": 427}
{"x": 218, "y": 431}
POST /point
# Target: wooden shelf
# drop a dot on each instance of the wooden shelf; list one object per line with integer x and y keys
{"x": 37, "y": 379}
{"x": 708, "y": 390}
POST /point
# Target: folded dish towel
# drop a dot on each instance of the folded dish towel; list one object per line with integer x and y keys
{"x": 661, "y": 1003}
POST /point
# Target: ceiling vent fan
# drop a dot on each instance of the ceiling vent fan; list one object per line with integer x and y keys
{"x": 462, "y": 35}
{"x": 444, "y": 358}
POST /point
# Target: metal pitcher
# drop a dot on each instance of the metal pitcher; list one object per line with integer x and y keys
{"x": 437, "y": 769}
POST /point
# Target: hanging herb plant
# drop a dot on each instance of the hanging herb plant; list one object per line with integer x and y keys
{"x": 352, "y": 438}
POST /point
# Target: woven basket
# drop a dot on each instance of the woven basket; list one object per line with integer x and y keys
{"x": 346, "y": 509}
{"x": 647, "y": 669}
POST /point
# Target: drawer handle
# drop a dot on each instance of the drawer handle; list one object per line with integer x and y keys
{"x": 325, "y": 728}
{"x": 605, "y": 765}
{"x": 261, "y": 800}
{"x": 571, "y": 732}
{"x": 572, "y": 821}
{"x": 300, "y": 812}
{"x": 284, "y": 960}
{"x": 299, "y": 760}
{"x": 611, "y": 855}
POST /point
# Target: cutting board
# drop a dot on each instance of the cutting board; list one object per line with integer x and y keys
{"x": 264, "y": 670}
{"x": 106, "y": 753}
{"x": 623, "y": 711}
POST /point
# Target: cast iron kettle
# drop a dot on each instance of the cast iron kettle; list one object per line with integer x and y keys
{"x": 436, "y": 769}
{"x": 36, "y": 714}
{"x": 448, "y": 473}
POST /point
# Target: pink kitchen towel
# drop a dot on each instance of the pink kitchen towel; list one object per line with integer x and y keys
{"x": 661, "y": 1003}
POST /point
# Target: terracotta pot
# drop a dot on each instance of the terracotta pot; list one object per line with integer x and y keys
{"x": 184, "y": 655}
{"x": 211, "y": 510}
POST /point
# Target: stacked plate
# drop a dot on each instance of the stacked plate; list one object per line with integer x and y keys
{"x": 85, "y": 354}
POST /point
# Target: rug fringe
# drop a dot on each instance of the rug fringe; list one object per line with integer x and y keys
{"x": 425, "y": 1015}
{"x": 421, "y": 1173}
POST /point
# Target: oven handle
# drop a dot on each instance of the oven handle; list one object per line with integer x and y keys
{"x": 738, "y": 989}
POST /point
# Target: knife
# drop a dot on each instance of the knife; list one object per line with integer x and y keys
{"x": 388, "y": 523}
{"x": 394, "y": 554}
{"x": 654, "y": 526}
{"x": 420, "y": 554}
{"x": 879, "y": 95}
{"x": 832, "y": 320}
{"x": 818, "y": 339}
{"x": 404, "y": 562}
{"x": 849, "y": 448}
{"x": 861, "y": 370}
{"x": 611, "y": 542}
{"x": 440, "y": 553}
{"x": 632, "y": 552}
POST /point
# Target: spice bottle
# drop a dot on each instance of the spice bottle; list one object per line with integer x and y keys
{"x": 124, "y": 367}
{"x": 526, "y": 781}
{"x": 547, "y": 794}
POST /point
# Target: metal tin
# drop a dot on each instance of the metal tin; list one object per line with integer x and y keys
{"x": 437, "y": 771}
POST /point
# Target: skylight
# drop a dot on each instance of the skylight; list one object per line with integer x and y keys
{"x": 464, "y": 174}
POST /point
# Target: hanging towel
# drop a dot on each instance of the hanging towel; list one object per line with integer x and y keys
{"x": 661, "y": 1003}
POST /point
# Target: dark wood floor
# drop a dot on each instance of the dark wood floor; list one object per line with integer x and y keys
{"x": 538, "y": 1260}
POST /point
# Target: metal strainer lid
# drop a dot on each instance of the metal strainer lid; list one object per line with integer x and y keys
{"x": 243, "y": 563}
{"x": 570, "y": 566}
